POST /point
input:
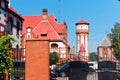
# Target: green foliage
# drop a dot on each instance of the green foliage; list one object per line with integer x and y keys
{"x": 93, "y": 56}
{"x": 53, "y": 58}
{"x": 6, "y": 63}
{"x": 115, "y": 40}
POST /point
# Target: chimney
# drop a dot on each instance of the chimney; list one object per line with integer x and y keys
{"x": 44, "y": 12}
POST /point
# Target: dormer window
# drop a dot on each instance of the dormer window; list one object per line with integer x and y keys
{"x": 28, "y": 32}
{"x": 43, "y": 34}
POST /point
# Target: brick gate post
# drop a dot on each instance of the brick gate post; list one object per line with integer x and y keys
{"x": 37, "y": 59}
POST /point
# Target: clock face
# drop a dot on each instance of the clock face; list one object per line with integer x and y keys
{"x": 82, "y": 27}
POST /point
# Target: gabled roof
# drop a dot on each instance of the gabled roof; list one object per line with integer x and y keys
{"x": 45, "y": 27}
{"x": 82, "y": 22}
{"x": 30, "y": 21}
{"x": 33, "y": 21}
{"x": 105, "y": 41}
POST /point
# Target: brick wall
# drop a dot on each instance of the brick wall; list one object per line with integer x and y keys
{"x": 37, "y": 60}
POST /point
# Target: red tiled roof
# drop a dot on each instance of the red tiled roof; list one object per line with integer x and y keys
{"x": 33, "y": 21}
{"x": 14, "y": 11}
{"x": 45, "y": 27}
{"x": 82, "y": 49}
{"x": 57, "y": 26}
{"x": 82, "y": 22}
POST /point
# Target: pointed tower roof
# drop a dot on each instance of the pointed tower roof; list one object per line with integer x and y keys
{"x": 82, "y": 48}
{"x": 106, "y": 41}
{"x": 82, "y": 22}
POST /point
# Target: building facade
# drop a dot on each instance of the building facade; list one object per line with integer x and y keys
{"x": 82, "y": 33}
{"x": 11, "y": 24}
{"x": 46, "y": 26}
{"x": 105, "y": 51}
{"x": 72, "y": 55}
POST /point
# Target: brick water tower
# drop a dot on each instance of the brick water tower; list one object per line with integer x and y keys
{"x": 82, "y": 33}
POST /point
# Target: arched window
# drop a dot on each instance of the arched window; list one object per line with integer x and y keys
{"x": 10, "y": 25}
{"x": 54, "y": 45}
{"x": 28, "y": 32}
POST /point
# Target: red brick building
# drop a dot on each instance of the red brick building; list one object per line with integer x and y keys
{"x": 46, "y": 26}
{"x": 37, "y": 58}
{"x": 105, "y": 51}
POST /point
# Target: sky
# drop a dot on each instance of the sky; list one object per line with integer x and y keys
{"x": 101, "y": 14}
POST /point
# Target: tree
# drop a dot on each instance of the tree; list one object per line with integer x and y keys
{"x": 53, "y": 58}
{"x": 115, "y": 40}
{"x": 93, "y": 56}
{"x": 6, "y": 63}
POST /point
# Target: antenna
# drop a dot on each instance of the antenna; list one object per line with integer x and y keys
{"x": 59, "y": 11}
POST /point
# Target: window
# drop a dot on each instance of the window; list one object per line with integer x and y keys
{"x": 43, "y": 34}
{"x": 28, "y": 35}
{"x": 29, "y": 30}
{"x": 18, "y": 28}
{"x": 105, "y": 57}
{"x": 105, "y": 49}
{"x": 10, "y": 25}
{"x": 81, "y": 26}
{"x": 54, "y": 45}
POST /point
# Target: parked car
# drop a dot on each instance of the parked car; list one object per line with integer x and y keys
{"x": 63, "y": 70}
{"x": 53, "y": 74}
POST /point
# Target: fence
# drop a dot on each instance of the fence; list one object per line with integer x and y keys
{"x": 18, "y": 70}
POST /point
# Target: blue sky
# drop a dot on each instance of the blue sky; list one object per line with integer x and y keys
{"x": 101, "y": 14}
